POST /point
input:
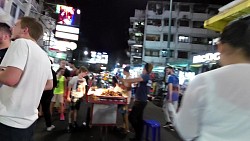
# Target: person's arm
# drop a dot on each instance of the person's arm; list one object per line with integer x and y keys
{"x": 10, "y": 76}
{"x": 68, "y": 92}
{"x": 65, "y": 87}
{"x": 133, "y": 80}
{"x": 49, "y": 85}
{"x": 170, "y": 88}
{"x": 170, "y": 91}
{"x": 188, "y": 120}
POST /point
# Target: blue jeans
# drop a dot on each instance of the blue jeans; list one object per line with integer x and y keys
{"x": 8, "y": 133}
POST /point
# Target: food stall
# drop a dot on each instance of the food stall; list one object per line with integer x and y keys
{"x": 104, "y": 105}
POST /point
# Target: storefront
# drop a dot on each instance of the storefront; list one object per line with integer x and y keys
{"x": 205, "y": 62}
{"x": 228, "y": 13}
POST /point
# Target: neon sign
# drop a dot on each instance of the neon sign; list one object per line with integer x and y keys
{"x": 206, "y": 57}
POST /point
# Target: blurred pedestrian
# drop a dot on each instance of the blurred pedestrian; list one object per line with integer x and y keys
{"x": 216, "y": 103}
{"x": 136, "y": 115}
{"x": 5, "y": 35}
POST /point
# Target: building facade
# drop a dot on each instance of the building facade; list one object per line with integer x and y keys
{"x": 187, "y": 37}
{"x": 11, "y": 10}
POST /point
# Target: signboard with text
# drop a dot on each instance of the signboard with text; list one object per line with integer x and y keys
{"x": 206, "y": 57}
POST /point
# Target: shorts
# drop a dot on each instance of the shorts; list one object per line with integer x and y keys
{"x": 123, "y": 109}
{"x": 57, "y": 98}
{"x": 75, "y": 103}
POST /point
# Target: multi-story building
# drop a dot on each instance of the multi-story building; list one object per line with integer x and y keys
{"x": 136, "y": 33}
{"x": 11, "y": 10}
{"x": 187, "y": 37}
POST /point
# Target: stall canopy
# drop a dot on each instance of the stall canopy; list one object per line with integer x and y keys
{"x": 218, "y": 22}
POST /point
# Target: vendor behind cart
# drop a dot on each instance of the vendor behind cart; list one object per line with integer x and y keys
{"x": 136, "y": 115}
{"x": 76, "y": 90}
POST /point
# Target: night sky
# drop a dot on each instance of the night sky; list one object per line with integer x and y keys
{"x": 105, "y": 23}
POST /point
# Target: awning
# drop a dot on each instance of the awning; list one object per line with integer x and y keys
{"x": 219, "y": 21}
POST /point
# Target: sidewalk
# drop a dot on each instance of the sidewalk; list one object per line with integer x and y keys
{"x": 94, "y": 133}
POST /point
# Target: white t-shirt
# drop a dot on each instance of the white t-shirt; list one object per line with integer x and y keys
{"x": 78, "y": 86}
{"x": 18, "y": 105}
{"x": 216, "y": 106}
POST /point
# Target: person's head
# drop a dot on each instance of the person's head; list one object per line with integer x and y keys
{"x": 147, "y": 68}
{"x": 28, "y": 28}
{"x": 126, "y": 70}
{"x": 83, "y": 71}
{"x": 60, "y": 71}
{"x": 71, "y": 64}
{"x": 63, "y": 64}
{"x": 5, "y": 34}
{"x": 234, "y": 43}
{"x": 169, "y": 70}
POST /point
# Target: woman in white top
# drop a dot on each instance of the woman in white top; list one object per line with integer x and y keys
{"x": 216, "y": 103}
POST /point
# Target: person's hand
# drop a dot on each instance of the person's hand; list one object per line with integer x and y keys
{"x": 170, "y": 100}
{"x": 68, "y": 99}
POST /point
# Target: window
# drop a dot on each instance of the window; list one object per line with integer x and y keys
{"x": 184, "y": 8}
{"x": 154, "y": 22}
{"x": 197, "y": 24}
{"x": 153, "y": 37}
{"x": 165, "y": 52}
{"x": 210, "y": 41}
{"x": 151, "y": 6}
{"x": 159, "y": 8}
{"x": 13, "y": 10}
{"x": 184, "y": 23}
{"x": 165, "y": 37}
{"x": 21, "y": 14}
{"x": 182, "y": 54}
{"x": 199, "y": 40}
{"x": 147, "y": 52}
{"x": 199, "y": 8}
{"x": 167, "y": 7}
{"x": 153, "y": 53}
{"x": 131, "y": 25}
{"x": 2, "y": 2}
{"x": 166, "y": 22}
{"x": 183, "y": 39}
{"x": 213, "y": 11}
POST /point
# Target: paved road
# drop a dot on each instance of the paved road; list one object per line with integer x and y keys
{"x": 94, "y": 133}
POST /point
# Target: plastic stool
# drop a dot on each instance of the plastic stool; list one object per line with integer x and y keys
{"x": 155, "y": 126}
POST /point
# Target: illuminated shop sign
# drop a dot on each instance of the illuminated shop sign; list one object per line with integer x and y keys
{"x": 206, "y": 57}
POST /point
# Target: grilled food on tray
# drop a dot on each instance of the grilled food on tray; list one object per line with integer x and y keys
{"x": 111, "y": 93}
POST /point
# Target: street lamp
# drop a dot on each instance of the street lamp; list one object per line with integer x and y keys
{"x": 169, "y": 30}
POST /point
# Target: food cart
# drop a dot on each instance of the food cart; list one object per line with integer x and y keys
{"x": 104, "y": 106}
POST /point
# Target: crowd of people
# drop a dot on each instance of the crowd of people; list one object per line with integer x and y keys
{"x": 215, "y": 105}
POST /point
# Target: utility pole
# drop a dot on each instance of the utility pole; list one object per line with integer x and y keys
{"x": 169, "y": 31}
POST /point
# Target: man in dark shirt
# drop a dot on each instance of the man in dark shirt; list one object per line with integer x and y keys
{"x": 5, "y": 35}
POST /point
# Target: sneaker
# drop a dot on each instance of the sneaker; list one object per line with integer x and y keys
{"x": 62, "y": 117}
{"x": 69, "y": 128}
{"x": 75, "y": 125}
{"x": 171, "y": 128}
{"x": 50, "y": 128}
{"x": 167, "y": 124}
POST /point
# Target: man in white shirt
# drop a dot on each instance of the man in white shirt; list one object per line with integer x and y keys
{"x": 216, "y": 103}
{"x": 25, "y": 76}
